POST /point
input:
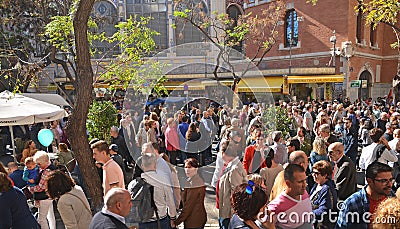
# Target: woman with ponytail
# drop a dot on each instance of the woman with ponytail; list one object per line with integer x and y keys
{"x": 272, "y": 169}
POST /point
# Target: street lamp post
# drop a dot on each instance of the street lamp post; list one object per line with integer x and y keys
{"x": 290, "y": 55}
{"x": 334, "y": 52}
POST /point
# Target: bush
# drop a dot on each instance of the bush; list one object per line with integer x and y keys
{"x": 276, "y": 119}
{"x": 102, "y": 116}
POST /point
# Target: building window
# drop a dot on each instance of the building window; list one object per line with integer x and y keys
{"x": 157, "y": 10}
{"x": 184, "y": 31}
{"x": 372, "y": 35}
{"x": 360, "y": 26}
{"x": 234, "y": 13}
{"x": 291, "y": 28}
{"x": 105, "y": 14}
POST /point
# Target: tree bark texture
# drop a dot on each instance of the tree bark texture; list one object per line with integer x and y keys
{"x": 83, "y": 84}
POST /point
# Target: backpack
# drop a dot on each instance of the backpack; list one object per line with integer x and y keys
{"x": 378, "y": 150}
{"x": 143, "y": 205}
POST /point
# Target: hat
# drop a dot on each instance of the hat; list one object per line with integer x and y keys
{"x": 113, "y": 147}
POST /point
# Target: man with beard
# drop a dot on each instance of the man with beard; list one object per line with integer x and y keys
{"x": 350, "y": 143}
{"x": 357, "y": 209}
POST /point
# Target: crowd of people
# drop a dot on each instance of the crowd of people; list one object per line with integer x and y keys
{"x": 333, "y": 166}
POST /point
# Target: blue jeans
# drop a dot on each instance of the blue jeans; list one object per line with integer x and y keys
{"x": 164, "y": 223}
{"x": 223, "y": 223}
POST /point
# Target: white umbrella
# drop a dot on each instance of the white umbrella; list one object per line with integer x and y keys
{"x": 16, "y": 109}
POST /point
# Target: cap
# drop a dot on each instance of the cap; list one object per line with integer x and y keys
{"x": 113, "y": 147}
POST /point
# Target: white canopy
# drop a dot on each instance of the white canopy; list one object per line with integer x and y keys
{"x": 16, "y": 109}
{"x": 48, "y": 98}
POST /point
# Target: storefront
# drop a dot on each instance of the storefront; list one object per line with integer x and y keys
{"x": 319, "y": 87}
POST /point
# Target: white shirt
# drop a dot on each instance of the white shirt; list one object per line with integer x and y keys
{"x": 393, "y": 146}
{"x": 163, "y": 169}
{"x": 163, "y": 196}
{"x": 219, "y": 164}
{"x": 367, "y": 156}
{"x": 118, "y": 217}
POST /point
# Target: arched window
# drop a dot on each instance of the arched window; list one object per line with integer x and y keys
{"x": 372, "y": 35}
{"x": 291, "y": 28}
{"x": 234, "y": 12}
{"x": 360, "y": 26}
{"x": 105, "y": 15}
{"x": 185, "y": 32}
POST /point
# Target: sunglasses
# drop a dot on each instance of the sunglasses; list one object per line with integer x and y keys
{"x": 385, "y": 181}
{"x": 316, "y": 173}
{"x": 331, "y": 152}
{"x": 250, "y": 187}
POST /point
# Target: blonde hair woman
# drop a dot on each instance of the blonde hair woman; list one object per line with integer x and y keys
{"x": 318, "y": 152}
{"x": 387, "y": 214}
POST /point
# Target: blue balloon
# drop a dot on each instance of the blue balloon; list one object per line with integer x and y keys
{"x": 45, "y": 137}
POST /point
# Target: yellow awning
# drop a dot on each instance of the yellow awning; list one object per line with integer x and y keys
{"x": 179, "y": 86}
{"x": 316, "y": 79}
{"x": 261, "y": 84}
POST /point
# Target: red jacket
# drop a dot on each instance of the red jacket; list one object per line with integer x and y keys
{"x": 248, "y": 159}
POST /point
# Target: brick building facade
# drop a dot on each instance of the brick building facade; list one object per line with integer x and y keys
{"x": 361, "y": 53}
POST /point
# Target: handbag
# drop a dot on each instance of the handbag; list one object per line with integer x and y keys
{"x": 40, "y": 195}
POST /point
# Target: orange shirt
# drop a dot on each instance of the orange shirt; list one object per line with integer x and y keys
{"x": 112, "y": 174}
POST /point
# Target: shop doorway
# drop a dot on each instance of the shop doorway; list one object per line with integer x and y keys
{"x": 364, "y": 91}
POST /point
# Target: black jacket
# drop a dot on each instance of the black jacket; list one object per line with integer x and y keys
{"x": 345, "y": 178}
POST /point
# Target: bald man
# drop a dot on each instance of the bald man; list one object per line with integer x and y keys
{"x": 117, "y": 205}
{"x": 344, "y": 172}
{"x": 296, "y": 157}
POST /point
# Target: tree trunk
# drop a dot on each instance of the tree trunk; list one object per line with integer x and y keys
{"x": 83, "y": 84}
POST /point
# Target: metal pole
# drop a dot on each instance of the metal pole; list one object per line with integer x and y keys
{"x": 334, "y": 49}
{"x": 187, "y": 102}
{"x": 290, "y": 56}
{"x": 12, "y": 142}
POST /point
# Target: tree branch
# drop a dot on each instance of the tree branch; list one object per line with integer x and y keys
{"x": 62, "y": 63}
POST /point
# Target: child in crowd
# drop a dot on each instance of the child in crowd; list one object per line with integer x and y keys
{"x": 31, "y": 171}
{"x": 339, "y": 130}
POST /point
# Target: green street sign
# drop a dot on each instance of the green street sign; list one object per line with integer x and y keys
{"x": 355, "y": 83}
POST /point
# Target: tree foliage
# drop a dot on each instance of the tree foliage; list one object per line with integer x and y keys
{"x": 226, "y": 32}
{"x": 133, "y": 39}
{"x": 65, "y": 33}
{"x": 276, "y": 118}
{"x": 381, "y": 11}
{"x": 23, "y": 45}
{"x": 102, "y": 116}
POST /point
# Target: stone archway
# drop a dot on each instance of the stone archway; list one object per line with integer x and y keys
{"x": 364, "y": 92}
